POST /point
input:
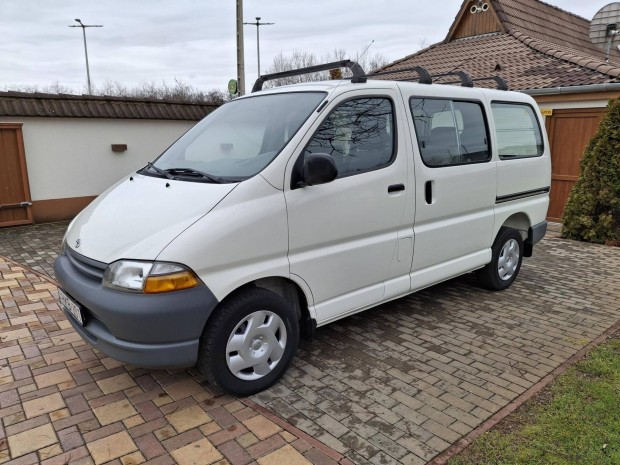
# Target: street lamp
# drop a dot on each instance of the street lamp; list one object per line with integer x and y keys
{"x": 258, "y": 24}
{"x": 84, "y": 26}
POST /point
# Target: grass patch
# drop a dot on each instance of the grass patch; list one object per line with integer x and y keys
{"x": 575, "y": 421}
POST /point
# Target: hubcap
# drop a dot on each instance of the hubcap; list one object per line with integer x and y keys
{"x": 508, "y": 260}
{"x": 256, "y": 345}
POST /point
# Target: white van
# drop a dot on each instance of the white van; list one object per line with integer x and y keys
{"x": 290, "y": 208}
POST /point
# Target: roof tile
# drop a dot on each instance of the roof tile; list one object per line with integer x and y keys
{"x": 523, "y": 67}
{"x": 82, "y": 106}
{"x": 544, "y": 46}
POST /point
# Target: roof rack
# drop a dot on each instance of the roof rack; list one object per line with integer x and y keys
{"x": 359, "y": 76}
{"x": 426, "y": 78}
{"x": 501, "y": 83}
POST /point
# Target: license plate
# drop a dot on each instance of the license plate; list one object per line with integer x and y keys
{"x": 69, "y": 306}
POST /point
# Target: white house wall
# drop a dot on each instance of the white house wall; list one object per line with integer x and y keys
{"x": 70, "y": 160}
{"x": 69, "y": 157}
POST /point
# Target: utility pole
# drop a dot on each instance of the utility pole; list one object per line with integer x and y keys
{"x": 84, "y": 26}
{"x": 258, "y": 24}
{"x": 240, "y": 59}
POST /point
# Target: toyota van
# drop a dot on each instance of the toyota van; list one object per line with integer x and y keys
{"x": 290, "y": 208}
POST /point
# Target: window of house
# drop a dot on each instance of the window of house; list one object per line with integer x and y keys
{"x": 450, "y": 132}
{"x": 518, "y": 131}
{"x": 359, "y": 134}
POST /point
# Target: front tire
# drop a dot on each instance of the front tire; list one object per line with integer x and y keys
{"x": 249, "y": 343}
{"x": 507, "y": 256}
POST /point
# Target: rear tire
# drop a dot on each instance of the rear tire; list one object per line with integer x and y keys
{"x": 249, "y": 343}
{"x": 506, "y": 261}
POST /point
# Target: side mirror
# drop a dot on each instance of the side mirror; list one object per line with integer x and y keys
{"x": 319, "y": 168}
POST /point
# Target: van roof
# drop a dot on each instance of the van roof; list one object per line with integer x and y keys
{"x": 411, "y": 88}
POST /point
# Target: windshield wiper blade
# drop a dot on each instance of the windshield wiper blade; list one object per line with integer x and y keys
{"x": 159, "y": 170}
{"x": 193, "y": 172}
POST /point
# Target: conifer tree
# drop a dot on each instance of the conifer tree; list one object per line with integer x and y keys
{"x": 592, "y": 213}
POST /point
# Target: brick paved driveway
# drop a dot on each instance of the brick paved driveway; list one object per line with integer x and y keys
{"x": 400, "y": 383}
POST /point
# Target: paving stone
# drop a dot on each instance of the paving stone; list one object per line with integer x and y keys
{"x": 188, "y": 418}
{"x": 31, "y": 440}
{"x": 111, "y": 447}
{"x": 43, "y": 405}
{"x": 183, "y": 389}
{"x": 150, "y": 446}
{"x": 116, "y": 383}
{"x": 262, "y": 427}
{"x": 53, "y": 378}
{"x": 200, "y": 452}
{"x": 267, "y": 446}
{"x": 70, "y": 439}
{"x": 248, "y": 439}
{"x": 235, "y": 454}
{"x": 286, "y": 455}
{"x": 115, "y": 411}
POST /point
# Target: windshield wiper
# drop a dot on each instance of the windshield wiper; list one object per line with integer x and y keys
{"x": 159, "y": 170}
{"x": 193, "y": 172}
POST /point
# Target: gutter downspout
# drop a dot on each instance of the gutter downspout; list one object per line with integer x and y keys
{"x": 607, "y": 87}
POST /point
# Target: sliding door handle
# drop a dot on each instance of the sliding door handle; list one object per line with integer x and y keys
{"x": 428, "y": 192}
{"x": 396, "y": 188}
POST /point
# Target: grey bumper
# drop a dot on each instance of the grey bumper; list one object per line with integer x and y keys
{"x": 537, "y": 232}
{"x": 147, "y": 330}
{"x": 534, "y": 235}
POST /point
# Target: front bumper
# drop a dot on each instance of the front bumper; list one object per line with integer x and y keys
{"x": 147, "y": 330}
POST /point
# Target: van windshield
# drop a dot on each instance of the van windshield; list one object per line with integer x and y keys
{"x": 239, "y": 139}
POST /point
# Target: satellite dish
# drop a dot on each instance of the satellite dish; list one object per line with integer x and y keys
{"x": 605, "y": 28}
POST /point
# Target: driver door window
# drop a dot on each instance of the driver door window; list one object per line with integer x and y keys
{"x": 358, "y": 134}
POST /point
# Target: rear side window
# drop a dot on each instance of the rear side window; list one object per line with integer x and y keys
{"x": 518, "y": 131}
{"x": 450, "y": 132}
{"x": 358, "y": 134}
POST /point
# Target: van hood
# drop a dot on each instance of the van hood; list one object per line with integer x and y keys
{"x": 137, "y": 217}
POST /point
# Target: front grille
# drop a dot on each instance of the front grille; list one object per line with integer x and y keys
{"x": 91, "y": 268}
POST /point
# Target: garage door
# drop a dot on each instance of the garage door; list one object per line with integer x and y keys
{"x": 15, "y": 205}
{"x": 569, "y": 132}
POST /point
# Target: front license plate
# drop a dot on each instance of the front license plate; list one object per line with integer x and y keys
{"x": 69, "y": 306}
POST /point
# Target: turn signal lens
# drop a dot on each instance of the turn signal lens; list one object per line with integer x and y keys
{"x": 170, "y": 282}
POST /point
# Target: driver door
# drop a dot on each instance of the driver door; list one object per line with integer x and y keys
{"x": 343, "y": 235}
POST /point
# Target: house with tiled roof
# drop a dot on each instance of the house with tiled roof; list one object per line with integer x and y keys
{"x": 538, "y": 49}
{"x": 58, "y": 152}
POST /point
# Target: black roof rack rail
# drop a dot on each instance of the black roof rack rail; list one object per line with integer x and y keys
{"x": 465, "y": 81}
{"x": 425, "y": 77}
{"x": 359, "y": 76}
{"x": 501, "y": 83}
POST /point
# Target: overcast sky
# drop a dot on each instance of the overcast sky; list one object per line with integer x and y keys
{"x": 194, "y": 40}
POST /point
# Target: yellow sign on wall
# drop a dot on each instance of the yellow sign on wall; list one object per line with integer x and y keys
{"x": 546, "y": 111}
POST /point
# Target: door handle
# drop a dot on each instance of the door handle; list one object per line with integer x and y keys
{"x": 396, "y": 188}
{"x": 16, "y": 205}
{"x": 428, "y": 192}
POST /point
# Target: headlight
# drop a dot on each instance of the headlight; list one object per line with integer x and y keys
{"x": 148, "y": 277}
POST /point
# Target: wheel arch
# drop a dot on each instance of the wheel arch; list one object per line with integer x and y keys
{"x": 289, "y": 290}
{"x": 519, "y": 221}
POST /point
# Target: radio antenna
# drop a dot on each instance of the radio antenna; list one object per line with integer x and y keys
{"x": 364, "y": 52}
